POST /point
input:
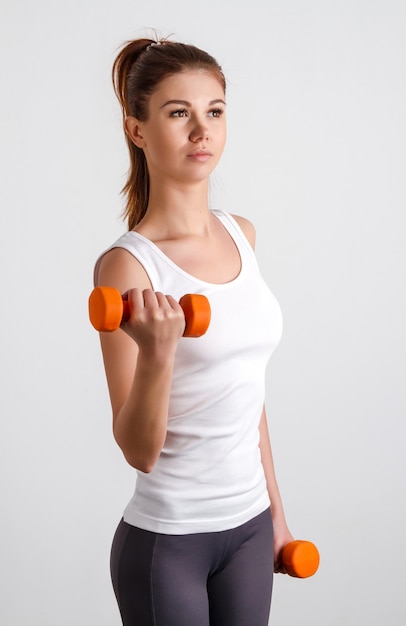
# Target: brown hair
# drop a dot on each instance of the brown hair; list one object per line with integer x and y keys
{"x": 139, "y": 67}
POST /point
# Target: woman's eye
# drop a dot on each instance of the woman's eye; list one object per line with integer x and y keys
{"x": 179, "y": 113}
{"x": 216, "y": 112}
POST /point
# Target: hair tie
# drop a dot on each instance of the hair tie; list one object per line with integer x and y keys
{"x": 153, "y": 43}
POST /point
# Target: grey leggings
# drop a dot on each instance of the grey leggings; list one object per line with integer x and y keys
{"x": 205, "y": 579}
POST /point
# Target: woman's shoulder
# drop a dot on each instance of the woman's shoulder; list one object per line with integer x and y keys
{"x": 119, "y": 268}
{"x": 247, "y": 228}
{"x": 244, "y": 225}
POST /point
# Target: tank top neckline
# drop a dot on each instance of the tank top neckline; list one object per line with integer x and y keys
{"x": 223, "y": 218}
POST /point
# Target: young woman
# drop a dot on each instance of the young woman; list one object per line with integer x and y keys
{"x": 202, "y": 534}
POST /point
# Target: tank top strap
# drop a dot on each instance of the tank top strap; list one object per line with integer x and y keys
{"x": 231, "y": 225}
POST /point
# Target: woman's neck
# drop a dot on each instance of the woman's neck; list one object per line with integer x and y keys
{"x": 176, "y": 212}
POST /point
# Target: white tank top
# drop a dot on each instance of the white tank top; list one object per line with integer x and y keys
{"x": 209, "y": 475}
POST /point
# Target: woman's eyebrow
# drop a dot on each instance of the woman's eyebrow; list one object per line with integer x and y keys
{"x": 189, "y": 104}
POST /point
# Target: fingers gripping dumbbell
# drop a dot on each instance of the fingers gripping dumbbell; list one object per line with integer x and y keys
{"x": 108, "y": 309}
{"x": 300, "y": 558}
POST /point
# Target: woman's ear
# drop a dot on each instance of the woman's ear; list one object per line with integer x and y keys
{"x": 132, "y": 127}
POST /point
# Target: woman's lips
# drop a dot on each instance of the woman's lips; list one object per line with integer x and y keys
{"x": 200, "y": 155}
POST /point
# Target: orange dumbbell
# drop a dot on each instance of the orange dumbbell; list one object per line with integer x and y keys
{"x": 300, "y": 558}
{"x": 108, "y": 309}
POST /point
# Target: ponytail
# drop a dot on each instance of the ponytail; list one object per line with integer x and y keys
{"x": 136, "y": 188}
{"x": 139, "y": 67}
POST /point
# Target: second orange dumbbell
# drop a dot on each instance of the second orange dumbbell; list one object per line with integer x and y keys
{"x": 300, "y": 558}
{"x": 107, "y": 310}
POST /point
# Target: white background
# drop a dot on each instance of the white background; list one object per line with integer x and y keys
{"x": 316, "y": 159}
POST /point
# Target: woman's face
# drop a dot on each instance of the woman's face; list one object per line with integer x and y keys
{"x": 184, "y": 135}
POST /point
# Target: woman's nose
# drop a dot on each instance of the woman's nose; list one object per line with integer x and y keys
{"x": 199, "y": 132}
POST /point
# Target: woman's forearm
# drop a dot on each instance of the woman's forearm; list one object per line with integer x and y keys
{"x": 282, "y": 534}
{"x": 140, "y": 425}
{"x": 269, "y": 469}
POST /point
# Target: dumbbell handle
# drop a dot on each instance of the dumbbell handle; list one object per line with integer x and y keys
{"x": 108, "y": 310}
{"x": 300, "y": 558}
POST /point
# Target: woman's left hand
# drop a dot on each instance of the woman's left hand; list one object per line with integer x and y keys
{"x": 282, "y": 536}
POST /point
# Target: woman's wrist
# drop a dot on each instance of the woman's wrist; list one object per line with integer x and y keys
{"x": 156, "y": 355}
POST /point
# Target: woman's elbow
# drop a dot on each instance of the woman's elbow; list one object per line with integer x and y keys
{"x": 143, "y": 460}
{"x": 142, "y": 453}
{"x": 144, "y": 465}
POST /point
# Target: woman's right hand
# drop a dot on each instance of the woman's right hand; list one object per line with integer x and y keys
{"x": 156, "y": 321}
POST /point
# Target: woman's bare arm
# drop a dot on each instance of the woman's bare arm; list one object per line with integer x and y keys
{"x": 282, "y": 534}
{"x": 138, "y": 360}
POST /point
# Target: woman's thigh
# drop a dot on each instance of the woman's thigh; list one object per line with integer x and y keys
{"x": 159, "y": 580}
{"x": 240, "y": 593}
